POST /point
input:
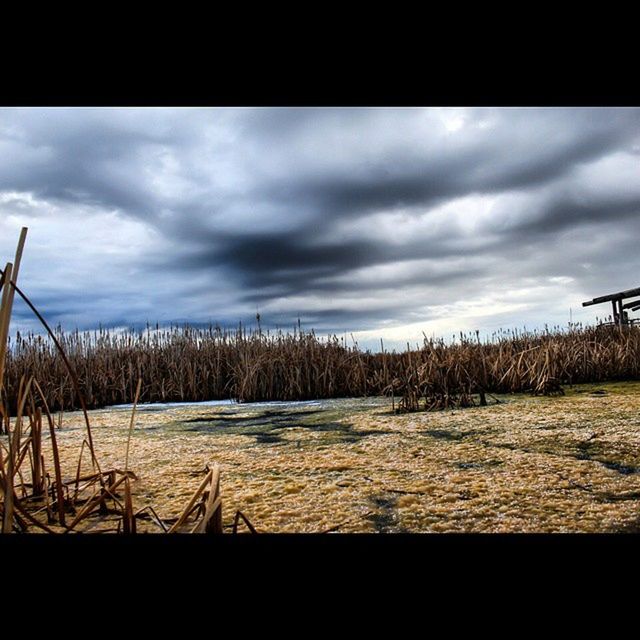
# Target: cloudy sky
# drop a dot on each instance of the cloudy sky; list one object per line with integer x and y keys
{"x": 377, "y": 222}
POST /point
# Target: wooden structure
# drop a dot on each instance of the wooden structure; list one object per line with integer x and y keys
{"x": 620, "y": 313}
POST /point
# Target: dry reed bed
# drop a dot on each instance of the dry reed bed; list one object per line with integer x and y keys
{"x": 181, "y": 364}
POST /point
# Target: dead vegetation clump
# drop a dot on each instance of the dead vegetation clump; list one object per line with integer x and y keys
{"x": 445, "y": 376}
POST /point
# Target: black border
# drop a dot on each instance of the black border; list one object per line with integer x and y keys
{"x": 410, "y": 78}
{"x": 243, "y": 564}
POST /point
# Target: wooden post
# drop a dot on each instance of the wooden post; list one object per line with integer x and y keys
{"x": 621, "y": 313}
{"x": 620, "y": 316}
{"x": 8, "y": 293}
{"x": 5, "y": 318}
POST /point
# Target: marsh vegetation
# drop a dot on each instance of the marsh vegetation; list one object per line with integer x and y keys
{"x": 186, "y": 364}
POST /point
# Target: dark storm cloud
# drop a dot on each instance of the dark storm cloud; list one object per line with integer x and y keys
{"x": 529, "y": 148}
{"x": 72, "y": 160}
{"x": 294, "y": 263}
{"x": 388, "y": 287}
{"x": 566, "y": 214}
{"x": 347, "y": 218}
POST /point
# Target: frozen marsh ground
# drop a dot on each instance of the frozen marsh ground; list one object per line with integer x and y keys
{"x": 529, "y": 464}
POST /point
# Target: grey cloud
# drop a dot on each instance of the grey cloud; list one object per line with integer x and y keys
{"x": 251, "y": 200}
{"x": 527, "y": 148}
{"x": 566, "y": 214}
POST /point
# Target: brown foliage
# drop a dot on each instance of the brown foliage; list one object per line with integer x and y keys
{"x": 194, "y": 364}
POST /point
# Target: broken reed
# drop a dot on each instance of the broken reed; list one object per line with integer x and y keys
{"x": 180, "y": 364}
{"x": 36, "y": 496}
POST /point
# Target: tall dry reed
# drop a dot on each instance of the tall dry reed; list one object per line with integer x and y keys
{"x": 192, "y": 364}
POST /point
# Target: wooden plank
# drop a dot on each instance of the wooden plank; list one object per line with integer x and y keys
{"x": 630, "y": 305}
{"x": 629, "y": 293}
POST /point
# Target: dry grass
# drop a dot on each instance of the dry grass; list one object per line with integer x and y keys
{"x": 188, "y": 364}
{"x": 442, "y": 376}
{"x": 191, "y": 364}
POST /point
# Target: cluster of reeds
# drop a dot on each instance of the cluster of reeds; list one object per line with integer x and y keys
{"x": 179, "y": 364}
{"x": 461, "y": 374}
{"x": 36, "y": 494}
